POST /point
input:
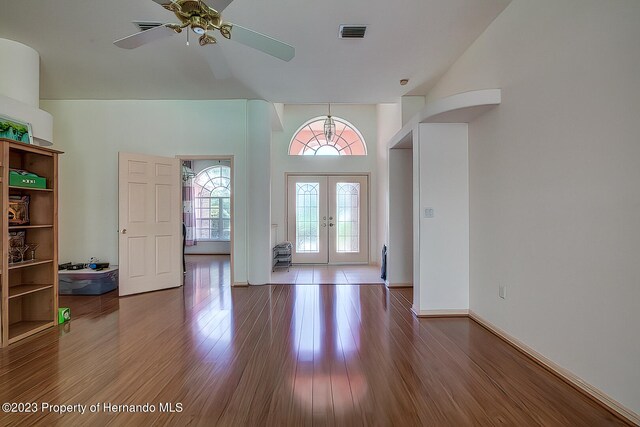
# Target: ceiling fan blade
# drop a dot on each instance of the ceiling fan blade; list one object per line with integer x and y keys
{"x": 144, "y": 37}
{"x": 263, "y": 43}
{"x": 218, "y": 5}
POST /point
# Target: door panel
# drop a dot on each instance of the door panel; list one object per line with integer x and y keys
{"x": 307, "y": 219}
{"x": 349, "y": 219}
{"x": 149, "y": 223}
{"x": 328, "y": 219}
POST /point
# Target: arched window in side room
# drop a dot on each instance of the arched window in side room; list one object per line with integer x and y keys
{"x": 309, "y": 140}
{"x": 213, "y": 204}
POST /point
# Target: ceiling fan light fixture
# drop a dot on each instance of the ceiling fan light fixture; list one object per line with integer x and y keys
{"x": 198, "y": 25}
{"x": 206, "y": 39}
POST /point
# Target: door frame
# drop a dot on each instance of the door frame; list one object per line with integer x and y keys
{"x": 328, "y": 174}
{"x": 231, "y": 159}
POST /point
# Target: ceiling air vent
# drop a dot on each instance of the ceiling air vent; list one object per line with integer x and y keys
{"x": 352, "y": 31}
{"x": 146, "y": 25}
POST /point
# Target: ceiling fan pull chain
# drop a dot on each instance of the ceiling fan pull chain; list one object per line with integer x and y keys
{"x": 187, "y": 37}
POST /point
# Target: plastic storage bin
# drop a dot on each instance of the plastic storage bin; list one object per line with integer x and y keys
{"x": 87, "y": 281}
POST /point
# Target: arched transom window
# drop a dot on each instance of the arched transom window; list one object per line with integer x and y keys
{"x": 213, "y": 203}
{"x": 309, "y": 140}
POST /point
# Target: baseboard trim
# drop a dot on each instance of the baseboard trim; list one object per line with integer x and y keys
{"x": 240, "y": 284}
{"x": 440, "y": 313}
{"x": 567, "y": 376}
{"x": 398, "y": 285}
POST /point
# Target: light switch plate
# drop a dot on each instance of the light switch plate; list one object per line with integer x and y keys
{"x": 428, "y": 212}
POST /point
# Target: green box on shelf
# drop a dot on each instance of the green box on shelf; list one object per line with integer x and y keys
{"x": 27, "y": 181}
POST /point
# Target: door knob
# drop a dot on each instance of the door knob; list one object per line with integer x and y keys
{"x": 324, "y": 225}
{"x": 124, "y": 231}
{"x": 330, "y": 224}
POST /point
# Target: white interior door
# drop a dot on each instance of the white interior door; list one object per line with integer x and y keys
{"x": 150, "y": 229}
{"x": 328, "y": 219}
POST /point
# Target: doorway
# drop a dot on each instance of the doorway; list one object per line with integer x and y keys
{"x": 328, "y": 218}
{"x": 207, "y": 206}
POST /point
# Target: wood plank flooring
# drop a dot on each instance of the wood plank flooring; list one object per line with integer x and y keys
{"x": 281, "y": 355}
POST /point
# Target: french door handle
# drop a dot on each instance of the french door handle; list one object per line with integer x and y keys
{"x": 330, "y": 224}
{"x": 324, "y": 225}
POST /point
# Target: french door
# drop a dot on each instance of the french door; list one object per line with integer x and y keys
{"x": 328, "y": 219}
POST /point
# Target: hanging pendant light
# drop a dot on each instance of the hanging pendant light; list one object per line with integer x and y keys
{"x": 329, "y": 127}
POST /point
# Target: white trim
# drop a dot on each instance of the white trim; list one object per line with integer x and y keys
{"x": 561, "y": 372}
{"x": 398, "y": 285}
{"x": 454, "y": 312}
{"x": 240, "y": 284}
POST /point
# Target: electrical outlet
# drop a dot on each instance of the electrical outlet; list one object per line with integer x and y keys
{"x": 428, "y": 212}
{"x": 502, "y": 291}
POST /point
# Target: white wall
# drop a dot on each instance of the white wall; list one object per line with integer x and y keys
{"x": 400, "y": 218}
{"x": 92, "y": 133}
{"x": 441, "y": 264}
{"x": 203, "y": 248}
{"x": 259, "y": 254}
{"x": 554, "y": 193}
{"x": 389, "y": 121}
{"x": 362, "y": 117}
{"x": 410, "y": 106}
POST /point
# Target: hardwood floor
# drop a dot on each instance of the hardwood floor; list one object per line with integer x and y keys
{"x": 331, "y": 274}
{"x": 280, "y": 355}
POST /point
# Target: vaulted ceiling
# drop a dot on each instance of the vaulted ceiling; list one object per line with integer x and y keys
{"x": 415, "y": 39}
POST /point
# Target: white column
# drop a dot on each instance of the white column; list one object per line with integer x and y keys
{"x": 441, "y": 263}
{"x": 20, "y": 89}
{"x": 259, "y": 192}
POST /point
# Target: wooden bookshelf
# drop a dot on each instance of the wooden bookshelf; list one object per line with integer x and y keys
{"x": 29, "y": 292}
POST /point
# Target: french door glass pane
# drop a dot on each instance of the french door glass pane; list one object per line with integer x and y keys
{"x": 347, "y": 217}
{"x": 307, "y": 214}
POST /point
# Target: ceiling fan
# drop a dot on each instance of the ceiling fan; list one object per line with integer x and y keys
{"x": 204, "y": 20}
